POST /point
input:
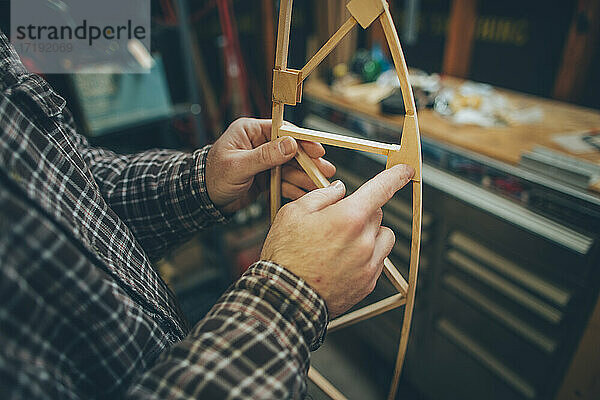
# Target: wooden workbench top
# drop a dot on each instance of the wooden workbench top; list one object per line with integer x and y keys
{"x": 505, "y": 143}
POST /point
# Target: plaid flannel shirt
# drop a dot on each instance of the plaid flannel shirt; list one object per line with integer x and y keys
{"x": 82, "y": 312}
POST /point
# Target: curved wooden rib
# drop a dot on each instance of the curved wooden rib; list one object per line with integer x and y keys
{"x": 412, "y": 286}
{"x": 413, "y": 157}
{"x": 409, "y": 152}
{"x": 281, "y": 56}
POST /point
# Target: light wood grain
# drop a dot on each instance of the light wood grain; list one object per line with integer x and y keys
{"x": 275, "y": 184}
{"x": 283, "y": 34}
{"x": 370, "y": 311}
{"x": 286, "y": 86}
{"x": 415, "y": 249}
{"x": 410, "y": 148}
{"x": 411, "y": 145}
{"x": 366, "y": 11}
{"x": 311, "y": 169}
{"x": 324, "y": 385}
{"x": 327, "y": 48}
{"x": 333, "y": 139}
{"x": 281, "y": 56}
{"x": 392, "y": 273}
{"x": 398, "y": 57}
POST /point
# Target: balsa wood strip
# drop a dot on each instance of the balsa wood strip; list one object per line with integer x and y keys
{"x": 283, "y": 34}
{"x": 311, "y": 169}
{"x": 327, "y": 48}
{"x": 366, "y": 11}
{"x": 281, "y": 56}
{"x": 324, "y": 385}
{"x": 394, "y": 276}
{"x": 367, "y": 312}
{"x": 333, "y": 139}
{"x": 415, "y": 249}
{"x": 401, "y": 69}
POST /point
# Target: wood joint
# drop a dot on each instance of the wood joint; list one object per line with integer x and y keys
{"x": 410, "y": 148}
{"x": 287, "y": 86}
{"x": 366, "y": 11}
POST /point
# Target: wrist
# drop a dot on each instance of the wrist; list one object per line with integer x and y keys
{"x": 200, "y": 186}
{"x": 291, "y": 296}
{"x": 210, "y": 178}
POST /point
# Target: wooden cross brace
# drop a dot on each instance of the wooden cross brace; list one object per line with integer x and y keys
{"x": 287, "y": 90}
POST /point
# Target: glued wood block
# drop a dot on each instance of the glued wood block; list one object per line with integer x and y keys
{"x": 410, "y": 148}
{"x": 332, "y": 139}
{"x": 287, "y": 86}
{"x": 366, "y": 11}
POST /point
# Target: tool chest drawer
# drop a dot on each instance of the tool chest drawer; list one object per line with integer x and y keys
{"x": 462, "y": 369}
{"x": 541, "y": 247}
{"x": 517, "y": 362}
{"x": 505, "y": 303}
{"x": 511, "y": 286}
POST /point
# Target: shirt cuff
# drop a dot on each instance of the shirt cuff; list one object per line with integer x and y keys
{"x": 200, "y": 191}
{"x": 291, "y": 296}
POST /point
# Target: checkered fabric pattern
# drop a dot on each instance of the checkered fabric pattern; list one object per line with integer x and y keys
{"x": 82, "y": 312}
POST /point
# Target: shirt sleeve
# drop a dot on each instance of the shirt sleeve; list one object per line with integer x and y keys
{"x": 161, "y": 194}
{"x": 254, "y": 343}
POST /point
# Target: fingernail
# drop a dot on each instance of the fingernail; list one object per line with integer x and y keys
{"x": 337, "y": 185}
{"x": 286, "y": 146}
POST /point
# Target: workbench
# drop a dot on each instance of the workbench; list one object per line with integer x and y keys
{"x": 504, "y": 144}
{"x": 509, "y": 272}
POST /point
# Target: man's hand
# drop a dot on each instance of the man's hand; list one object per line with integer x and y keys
{"x": 244, "y": 151}
{"x": 337, "y": 244}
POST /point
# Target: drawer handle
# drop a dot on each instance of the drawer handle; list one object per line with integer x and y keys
{"x": 533, "y": 282}
{"x": 477, "y": 352}
{"x": 532, "y": 335}
{"x": 502, "y": 285}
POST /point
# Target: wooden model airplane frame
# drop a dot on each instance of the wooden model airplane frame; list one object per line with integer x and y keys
{"x": 287, "y": 90}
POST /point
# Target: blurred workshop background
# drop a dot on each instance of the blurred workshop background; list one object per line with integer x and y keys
{"x": 508, "y": 94}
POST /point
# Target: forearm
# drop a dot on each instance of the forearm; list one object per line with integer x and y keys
{"x": 161, "y": 195}
{"x": 254, "y": 343}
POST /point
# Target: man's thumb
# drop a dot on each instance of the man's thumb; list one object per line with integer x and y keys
{"x": 272, "y": 154}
